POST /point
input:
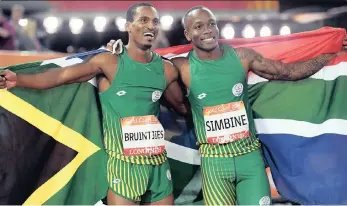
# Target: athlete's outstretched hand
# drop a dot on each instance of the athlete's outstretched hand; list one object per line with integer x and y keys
{"x": 8, "y": 79}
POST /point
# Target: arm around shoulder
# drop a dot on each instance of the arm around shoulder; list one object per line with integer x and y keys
{"x": 173, "y": 93}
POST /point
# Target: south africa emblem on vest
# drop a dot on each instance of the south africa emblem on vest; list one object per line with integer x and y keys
{"x": 156, "y": 96}
{"x": 238, "y": 89}
{"x": 168, "y": 174}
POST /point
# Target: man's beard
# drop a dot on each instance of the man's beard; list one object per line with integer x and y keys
{"x": 146, "y": 46}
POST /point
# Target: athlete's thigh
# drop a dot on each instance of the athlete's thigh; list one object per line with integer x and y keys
{"x": 160, "y": 186}
{"x": 127, "y": 180}
{"x": 114, "y": 199}
{"x": 168, "y": 200}
{"x": 218, "y": 181}
{"x": 253, "y": 186}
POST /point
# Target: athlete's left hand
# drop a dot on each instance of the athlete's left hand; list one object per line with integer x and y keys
{"x": 115, "y": 46}
{"x": 110, "y": 44}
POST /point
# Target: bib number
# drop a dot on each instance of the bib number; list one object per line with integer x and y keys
{"x": 142, "y": 135}
{"x": 226, "y": 123}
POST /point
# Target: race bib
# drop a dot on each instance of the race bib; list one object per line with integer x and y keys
{"x": 143, "y": 135}
{"x": 226, "y": 123}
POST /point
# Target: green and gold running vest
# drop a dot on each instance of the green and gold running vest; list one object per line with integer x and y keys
{"x": 222, "y": 114}
{"x": 130, "y": 109}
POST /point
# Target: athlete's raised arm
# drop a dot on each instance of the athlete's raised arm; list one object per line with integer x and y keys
{"x": 277, "y": 70}
{"x": 58, "y": 76}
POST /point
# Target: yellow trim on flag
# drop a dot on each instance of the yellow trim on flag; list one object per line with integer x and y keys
{"x": 60, "y": 133}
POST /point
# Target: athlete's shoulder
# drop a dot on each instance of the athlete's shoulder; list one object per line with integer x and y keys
{"x": 104, "y": 57}
{"x": 105, "y": 61}
{"x": 180, "y": 61}
{"x": 227, "y": 46}
{"x": 156, "y": 55}
{"x": 231, "y": 51}
{"x": 169, "y": 66}
{"x": 167, "y": 62}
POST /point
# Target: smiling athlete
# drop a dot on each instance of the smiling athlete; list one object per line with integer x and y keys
{"x": 215, "y": 75}
{"x": 130, "y": 86}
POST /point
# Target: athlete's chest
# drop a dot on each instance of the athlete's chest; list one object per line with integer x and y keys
{"x": 215, "y": 86}
{"x": 138, "y": 88}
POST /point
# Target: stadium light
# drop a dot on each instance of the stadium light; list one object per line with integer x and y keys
{"x": 248, "y": 31}
{"x": 120, "y": 22}
{"x": 51, "y": 24}
{"x": 265, "y": 31}
{"x": 100, "y": 23}
{"x": 285, "y": 30}
{"x": 76, "y": 25}
{"x": 166, "y": 22}
{"x": 228, "y": 31}
{"x": 23, "y": 22}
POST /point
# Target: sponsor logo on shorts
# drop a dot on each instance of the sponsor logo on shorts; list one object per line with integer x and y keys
{"x": 156, "y": 96}
{"x": 264, "y": 201}
{"x": 238, "y": 89}
{"x": 168, "y": 174}
{"x": 116, "y": 181}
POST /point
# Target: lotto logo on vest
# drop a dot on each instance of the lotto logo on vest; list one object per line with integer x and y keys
{"x": 238, "y": 89}
{"x": 121, "y": 93}
{"x": 156, "y": 96}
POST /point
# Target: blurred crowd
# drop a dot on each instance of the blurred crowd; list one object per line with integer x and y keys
{"x": 18, "y": 33}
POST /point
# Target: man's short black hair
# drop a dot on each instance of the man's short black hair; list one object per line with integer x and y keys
{"x": 191, "y": 10}
{"x": 132, "y": 10}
